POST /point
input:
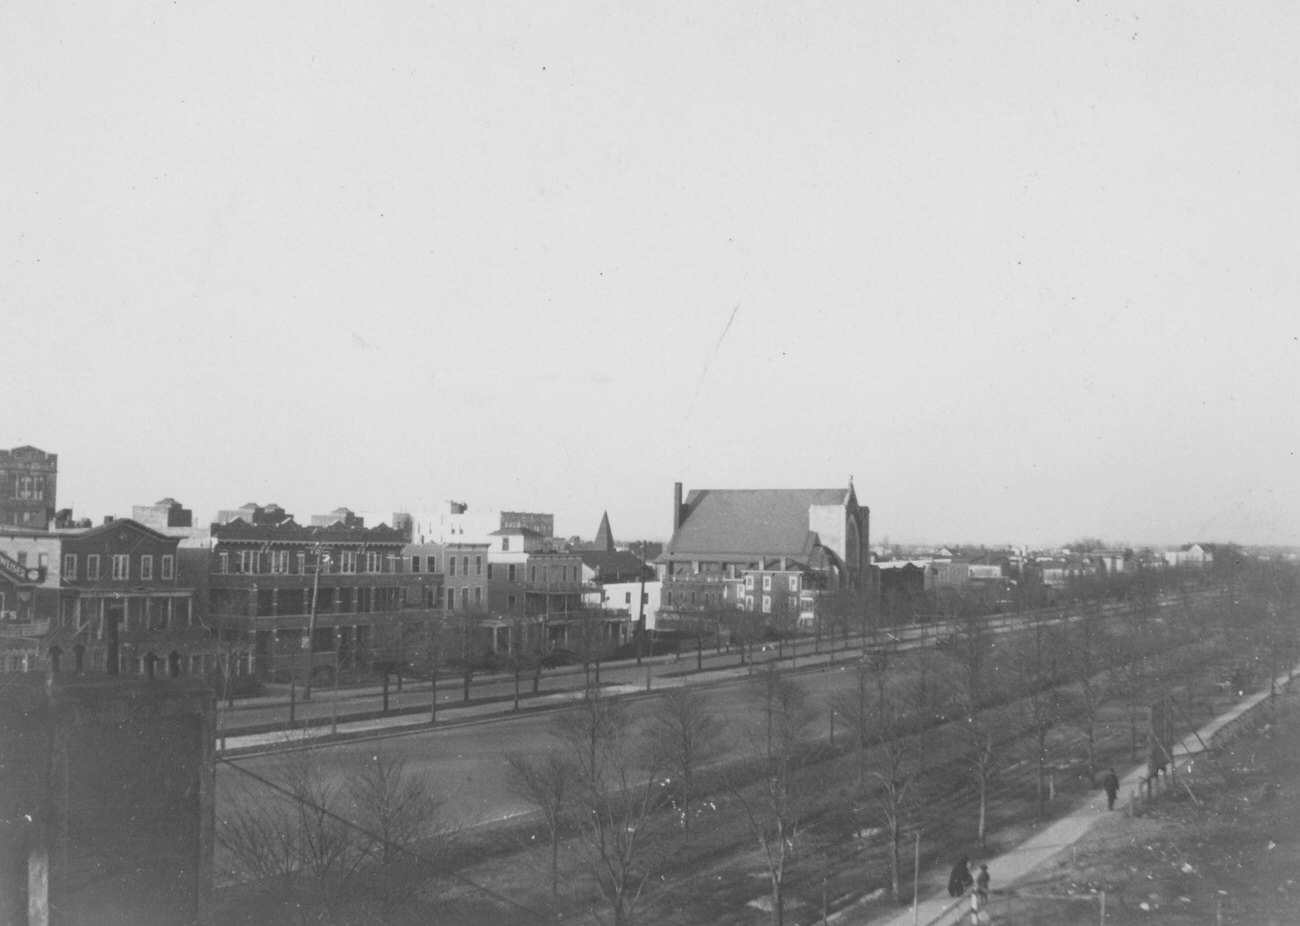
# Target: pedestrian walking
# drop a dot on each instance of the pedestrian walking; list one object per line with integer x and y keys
{"x": 1111, "y": 784}
{"x": 960, "y": 880}
{"x": 982, "y": 885}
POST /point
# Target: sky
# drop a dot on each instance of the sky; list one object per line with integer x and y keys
{"x": 1025, "y": 272}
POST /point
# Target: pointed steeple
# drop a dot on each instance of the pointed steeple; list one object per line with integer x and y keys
{"x": 604, "y": 536}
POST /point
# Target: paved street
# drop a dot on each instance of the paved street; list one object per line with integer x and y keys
{"x": 252, "y": 713}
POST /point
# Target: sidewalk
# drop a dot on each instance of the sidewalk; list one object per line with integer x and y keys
{"x": 1011, "y": 867}
{"x": 397, "y": 723}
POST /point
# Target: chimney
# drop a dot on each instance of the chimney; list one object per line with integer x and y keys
{"x": 677, "y": 506}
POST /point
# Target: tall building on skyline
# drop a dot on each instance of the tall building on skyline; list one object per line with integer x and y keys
{"x": 28, "y": 488}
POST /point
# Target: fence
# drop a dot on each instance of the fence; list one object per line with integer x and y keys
{"x": 1016, "y": 908}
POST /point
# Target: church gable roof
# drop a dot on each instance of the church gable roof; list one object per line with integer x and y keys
{"x": 768, "y": 521}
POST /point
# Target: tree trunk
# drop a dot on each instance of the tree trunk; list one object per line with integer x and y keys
{"x": 555, "y": 860}
{"x": 1092, "y": 753}
{"x": 1042, "y": 781}
{"x": 893, "y": 856}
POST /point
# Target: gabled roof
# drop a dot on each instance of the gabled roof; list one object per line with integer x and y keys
{"x": 117, "y": 524}
{"x": 611, "y": 565}
{"x": 773, "y": 522}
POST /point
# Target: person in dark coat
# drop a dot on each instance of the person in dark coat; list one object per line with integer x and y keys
{"x": 960, "y": 880}
{"x": 1111, "y": 784}
{"x": 982, "y": 885}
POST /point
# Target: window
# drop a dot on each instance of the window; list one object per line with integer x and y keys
{"x": 69, "y": 565}
{"x": 302, "y": 563}
{"x": 349, "y": 561}
{"x": 478, "y": 594}
{"x": 373, "y": 563}
{"x": 532, "y": 573}
{"x": 749, "y": 602}
{"x": 510, "y": 572}
{"x": 22, "y": 558}
{"x": 489, "y": 572}
{"x": 451, "y": 598}
{"x": 767, "y": 604}
{"x": 749, "y": 583}
{"x": 464, "y": 565}
{"x": 223, "y": 563}
{"x": 121, "y": 566}
{"x": 464, "y": 597}
{"x": 280, "y": 562}
{"x": 247, "y": 561}
{"x": 794, "y": 583}
{"x": 505, "y": 544}
{"x": 510, "y": 602}
{"x": 43, "y": 560}
{"x": 627, "y": 598}
{"x": 146, "y": 568}
{"x": 478, "y": 565}
{"x": 415, "y": 564}
{"x": 767, "y": 583}
{"x": 168, "y": 568}
{"x": 451, "y": 565}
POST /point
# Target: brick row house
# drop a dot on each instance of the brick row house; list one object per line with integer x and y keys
{"x": 775, "y": 554}
{"x": 337, "y": 597}
{"x": 107, "y": 598}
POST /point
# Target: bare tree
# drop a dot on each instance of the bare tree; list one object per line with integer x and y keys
{"x": 617, "y": 792}
{"x": 1085, "y": 665}
{"x": 545, "y": 782}
{"x": 396, "y": 811}
{"x": 854, "y": 705}
{"x": 462, "y": 643}
{"x": 586, "y": 636}
{"x": 329, "y": 846}
{"x": 775, "y": 806}
{"x": 882, "y": 711}
{"x": 971, "y": 648}
{"x": 226, "y": 622}
{"x": 686, "y": 736}
{"x": 1040, "y": 700}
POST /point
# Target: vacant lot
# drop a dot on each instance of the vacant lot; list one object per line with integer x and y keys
{"x": 1230, "y": 855}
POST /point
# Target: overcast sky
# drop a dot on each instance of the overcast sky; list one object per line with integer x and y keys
{"x": 1025, "y": 271}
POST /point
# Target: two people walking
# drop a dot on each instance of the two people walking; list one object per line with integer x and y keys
{"x": 961, "y": 880}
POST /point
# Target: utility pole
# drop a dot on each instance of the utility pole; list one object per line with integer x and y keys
{"x": 311, "y": 626}
{"x": 640, "y": 608}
